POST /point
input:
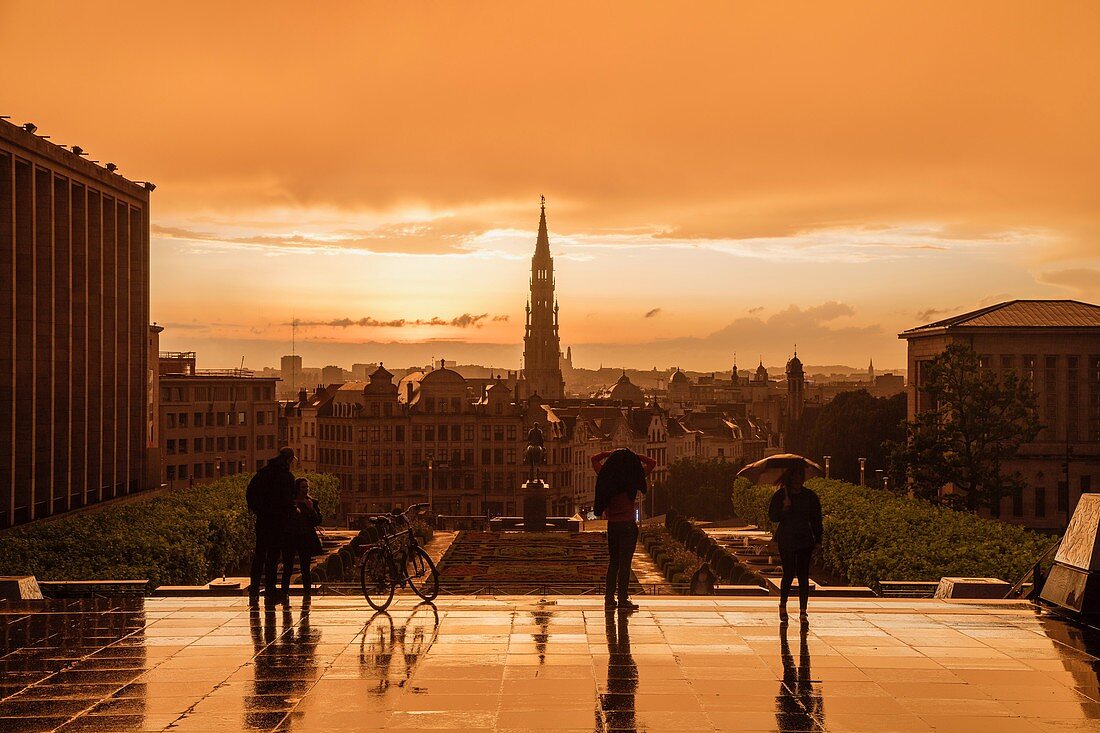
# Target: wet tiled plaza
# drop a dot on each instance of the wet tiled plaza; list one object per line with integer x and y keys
{"x": 561, "y": 663}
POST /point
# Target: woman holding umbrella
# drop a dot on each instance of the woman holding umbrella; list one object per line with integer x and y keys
{"x": 796, "y": 511}
{"x": 621, "y": 475}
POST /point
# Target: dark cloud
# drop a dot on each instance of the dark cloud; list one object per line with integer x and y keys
{"x": 500, "y": 318}
{"x": 757, "y": 309}
{"x": 466, "y": 320}
{"x": 652, "y": 313}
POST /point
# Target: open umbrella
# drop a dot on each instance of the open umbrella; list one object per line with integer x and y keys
{"x": 770, "y": 469}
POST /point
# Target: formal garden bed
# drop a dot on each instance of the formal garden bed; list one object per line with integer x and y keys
{"x": 180, "y": 537}
{"x": 872, "y": 535}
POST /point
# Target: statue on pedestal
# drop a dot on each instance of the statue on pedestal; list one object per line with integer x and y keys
{"x": 534, "y": 498}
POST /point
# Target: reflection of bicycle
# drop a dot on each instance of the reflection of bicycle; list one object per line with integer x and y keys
{"x": 397, "y": 559}
{"x": 381, "y": 645}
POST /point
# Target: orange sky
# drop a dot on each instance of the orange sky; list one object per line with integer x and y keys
{"x": 750, "y": 174}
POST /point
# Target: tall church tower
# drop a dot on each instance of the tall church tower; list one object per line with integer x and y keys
{"x": 541, "y": 344}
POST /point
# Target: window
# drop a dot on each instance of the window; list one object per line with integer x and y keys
{"x": 456, "y": 404}
{"x": 209, "y": 444}
{"x": 498, "y": 456}
{"x": 374, "y": 434}
{"x": 456, "y": 433}
{"x": 486, "y": 456}
{"x": 197, "y": 445}
{"x": 198, "y": 419}
{"x": 498, "y": 432}
{"x": 171, "y": 419}
{"x": 208, "y": 470}
{"x": 1018, "y": 504}
{"x": 1086, "y": 484}
{"x": 417, "y": 434}
{"x": 1040, "y": 502}
{"x": 511, "y": 432}
{"x": 261, "y": 418}
{"x": 486, "y": 432}
{"x": 511, "y": 456}
{"x": 170, "y": 447}
{"x": 429, "y": 433}
{"x": 468, "y": 432}
{"x": 197, "y": 471}
{"x": 170, "y": 473}
{"x": 399, "y": 433}
{"x": 1063, "y": 497}
{"x": 221, "y": 442}
{"x": 183, "y": 420}
{"x": 182, "y": 445}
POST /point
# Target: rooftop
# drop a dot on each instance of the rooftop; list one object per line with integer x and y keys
{"x": 1021, "y": 314}
{"x": 483, "y": 663}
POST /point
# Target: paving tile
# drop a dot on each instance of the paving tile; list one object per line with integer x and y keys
{"x": 518, "y": 663}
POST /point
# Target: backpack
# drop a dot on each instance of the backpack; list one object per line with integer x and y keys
{"x": 253, "y": 495}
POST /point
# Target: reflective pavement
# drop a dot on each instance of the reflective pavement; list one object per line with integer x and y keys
{"x": 189, "y": 664}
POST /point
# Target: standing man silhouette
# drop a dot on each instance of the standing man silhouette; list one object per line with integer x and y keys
{"x": 269, "y": 496}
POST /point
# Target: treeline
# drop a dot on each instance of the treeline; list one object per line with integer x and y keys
{"x": 182, "y": 537}
{"x": 851, "y": 426}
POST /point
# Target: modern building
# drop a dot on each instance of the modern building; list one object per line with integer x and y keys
{"x": 213, "y": 422}
{"x": 542, "y": 355}
{"x": 74, "y": 315}
{"x": 1055, "y": 345}
{"x": 290, "y": 372}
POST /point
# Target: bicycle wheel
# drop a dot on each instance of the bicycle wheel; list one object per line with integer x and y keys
{"x": 423, "y": 577}
{"x": 374, "y": 576}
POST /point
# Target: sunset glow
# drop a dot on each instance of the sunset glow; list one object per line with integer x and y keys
{"x": 736, "y": 178}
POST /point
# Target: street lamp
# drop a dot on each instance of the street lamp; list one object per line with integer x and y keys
{"x": 431, "y": 482}
{"x": 862, "y": 471}
{"x": 828, "y": 466}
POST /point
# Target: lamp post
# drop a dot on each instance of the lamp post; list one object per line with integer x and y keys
{"x": 828, "y": 466}
{"x": 431, "y": 482}
{"x": 862, "y": 471}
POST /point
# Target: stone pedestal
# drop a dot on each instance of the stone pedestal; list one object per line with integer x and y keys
{"x": 1074, "y": 580}
{"x": 534, "y": 506}
{"x": 972, "y": 588}
{"x": 19, "y": 588}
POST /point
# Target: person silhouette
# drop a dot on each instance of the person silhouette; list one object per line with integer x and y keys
{"x": 798, "y": 706}
{"x": 616, "y": 709}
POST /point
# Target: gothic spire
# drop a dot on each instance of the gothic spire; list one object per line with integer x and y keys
{"x": 542, "y": 245}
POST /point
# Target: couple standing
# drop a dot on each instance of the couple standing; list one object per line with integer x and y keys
{"x": 286, "y": 527}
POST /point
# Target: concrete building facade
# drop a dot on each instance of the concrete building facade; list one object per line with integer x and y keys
{"x": 74, "y": 314}
{"x": 1055, "y": 345}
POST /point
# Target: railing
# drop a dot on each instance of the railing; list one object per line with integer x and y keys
{"x": 520, "y": 588}
{"x": 1035, "y": 576}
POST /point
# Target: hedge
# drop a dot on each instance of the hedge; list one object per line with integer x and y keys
{"x": 181, "y": 537}
{"x": 872, "y": 535}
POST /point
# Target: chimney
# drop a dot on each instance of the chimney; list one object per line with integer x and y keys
{"x": 408, "y": 392}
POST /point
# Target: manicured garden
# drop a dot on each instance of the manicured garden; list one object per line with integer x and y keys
{"x": 182, "y": 537}
{"x": 872, "y": 535}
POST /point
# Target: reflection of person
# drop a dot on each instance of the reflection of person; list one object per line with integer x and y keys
{"x": 269, "y": 494}
{"x": 798, "y": 706}
{"x": 300, "y": 537}
{"x": 621, "y": 475}
{"x": 797, "y": 512}
{"x": 617, "y": 705}
{"x": 279, "y": 648}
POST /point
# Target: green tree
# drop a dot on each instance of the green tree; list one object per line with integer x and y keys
{"x": 851, "y": 426}
{"x": 697, "y": 487}
{"x": 977, "y": 424}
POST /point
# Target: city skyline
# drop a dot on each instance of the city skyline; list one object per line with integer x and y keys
{"x": 861, "y": 180}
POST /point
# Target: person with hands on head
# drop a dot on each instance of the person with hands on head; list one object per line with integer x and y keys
{"x": 796, "y": 510}
{"x": 621, "y": 476}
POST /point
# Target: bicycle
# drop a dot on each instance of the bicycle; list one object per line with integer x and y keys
{"x": 397, "y": 559}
